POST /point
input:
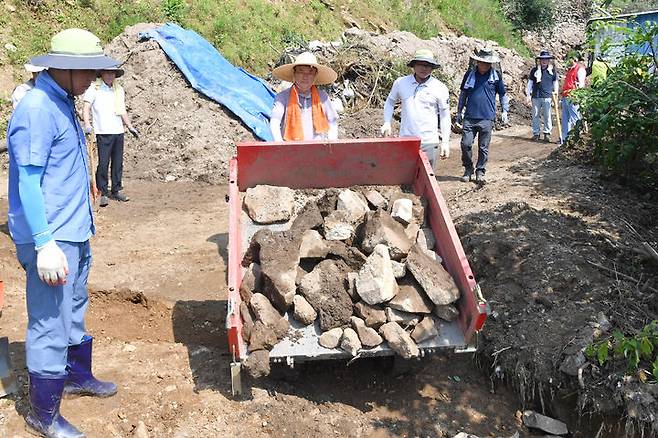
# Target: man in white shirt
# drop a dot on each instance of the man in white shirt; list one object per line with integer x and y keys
{"x": 105, "y": 99}
{"x": 424, "y": 101}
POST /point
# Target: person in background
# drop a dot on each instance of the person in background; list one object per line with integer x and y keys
{"x": 106, "y": 100}
{"x": 573, "y": 79}
{"x": 424, "y": 101}
{"x": 20, "y": 91}
{"x": 302, "y": 111}
{"x": 50, "y": 221}
{"x": 543, "y": 82}
{"x": 477, "y": 94}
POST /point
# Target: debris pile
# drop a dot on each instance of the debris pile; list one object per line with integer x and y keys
{"x": 359, "y": 263}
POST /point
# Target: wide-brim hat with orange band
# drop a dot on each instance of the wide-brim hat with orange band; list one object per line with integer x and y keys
{"x": 326, "y": 75}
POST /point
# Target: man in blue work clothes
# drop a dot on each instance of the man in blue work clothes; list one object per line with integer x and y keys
{"x": 50, "y": 220}
{"x": 477, "y": 94}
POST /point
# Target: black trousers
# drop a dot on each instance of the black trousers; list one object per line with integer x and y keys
{"x": 110, "y": 155}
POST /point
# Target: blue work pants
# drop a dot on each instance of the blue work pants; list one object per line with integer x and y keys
{"x": 55, "y": 313}
{"x": 570, "y": 116}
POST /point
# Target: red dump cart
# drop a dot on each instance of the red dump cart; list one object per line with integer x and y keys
{"x": 345, "y": 163}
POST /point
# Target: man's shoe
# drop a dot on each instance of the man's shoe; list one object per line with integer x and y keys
{"x": 480, "y": 179}
{"x": 120, "y": 197}
{"x": 104, "y": 201}
{"x": 547, "y": 137}
{"x": 467, "y": 176}
{"x": 535, "y": 137}
{"x": 80, "y": 380}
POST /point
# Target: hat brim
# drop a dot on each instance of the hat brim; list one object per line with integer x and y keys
{"x": 545, "y": 57}
{"x": 413, "y": 61}
{"x": 326, "y": 75}
{"x": 72, "y": 62}
{"x": 119, "y": 71}
{"x": 490, "y": 60}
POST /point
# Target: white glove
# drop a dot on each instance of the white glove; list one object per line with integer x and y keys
{"x": 504, "y": 118}
{"x": 445, "y": 150}
{"x": 52, "y": 265}
{"x": 386, "y": 129}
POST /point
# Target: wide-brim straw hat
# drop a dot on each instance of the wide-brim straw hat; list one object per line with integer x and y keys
{"x": 485, "y": 55}
{"x": 119, "y": 71}
{"x": 423, "y": 55}
{"x": 325, "y": 75}
{"x": 545, "y": 54}
{"x": 75, "y": 49}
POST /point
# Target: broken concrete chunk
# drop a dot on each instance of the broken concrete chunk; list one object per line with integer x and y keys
{"x": 426, "y": 329}
{"x": 269, "y": 204}
{"x": 262, "y": 337}
{"x": 373, "y": 316}
{"x": 338, "y": 226}
{"x": 418, "y": 204}
{"x": 402, "y": 211}
{"x": 252, "y": 282}
{"x": 308, "y": 218}
{"x": 399, "y": 269}
{"x": 376, "y": 282}
{"x": 350, "y": 255}
{"x": 376, "y": 200}
{"x": 257, "y": 364}
{"x": 324, "y": 289}
{"x": 399, "y": 340}
{"x": 330, "y": 339}
{"x": 447, "y": 312}
{"x": 313, "y": 246}
{"x": 411, "y": 298}
{"x": 547, "y": 424}
{"x": 264, "y": 311}
{"x": 425, "y": 239}
{"x": 353, "y": 204}
{"x": 350, "y": 342}
{"x": 381, "y": 228}
{"x": 403, "y": 318}
{"x": 303, "y": 311}
{"x": 411, "y": 231}
{"x": 368, "y": 336}
{"x": 436, "y": 281}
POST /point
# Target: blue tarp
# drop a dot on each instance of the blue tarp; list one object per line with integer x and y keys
{"x": 246, "y": 95}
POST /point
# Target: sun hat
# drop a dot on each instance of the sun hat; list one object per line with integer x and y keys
{"x": 423, "y": 55}
{"x": 119, "y": 71}
{"x": 33, "y": 68}
{"x": 485, "y": 55}
{"x": 545, "y": 54}
{"x": 326, "y": 75}
{"x": 75, "y": 49}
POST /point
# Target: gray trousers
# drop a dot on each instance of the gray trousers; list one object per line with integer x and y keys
{"x": 482, "y": 128}
{"x": 541, "y": 108}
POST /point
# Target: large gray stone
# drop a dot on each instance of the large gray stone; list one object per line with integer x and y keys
{"x": 313, "y": 246}
{"x": 352, "y": 203}
{"x": 269, "y": 204}
{"x": 376, "y": 200}
{"x": 403, "y": 318}
{"x": 304, "y": 312}
{"x": 373, "y": 316}
{"x": 324, "y": 289}
{"x": 411, "y": 298}
{"x": 368, "y": 336}
{"x": 263, "y": 310}
{"x": 338, "y": 226}
{"x": 425, "y": 239}
{"x": 350, "y": 342}
{"x": 257, "y": 364}
{"x": 550, "y": 425}
{"x": 331, "y": 338}
{"x": 381, "y": 228}
{"x": 262, "y": 337}
{"x": 278, "y": 255}
{"x": 448, "y": 312}
{"x": 402, "y": 211}
{"x": 436, "y": 281}
{"x": 399, "y": 340}
{"x": 376, "y": 282}
{"x": 426, "y": 329}
{"x": 308, "y": 218}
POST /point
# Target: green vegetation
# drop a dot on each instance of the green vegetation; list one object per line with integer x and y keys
{"x": 636, "y": 351}
{"x": 532, "y": 14}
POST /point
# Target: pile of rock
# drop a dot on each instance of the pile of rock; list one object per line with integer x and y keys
{"x": 358, "y": 262}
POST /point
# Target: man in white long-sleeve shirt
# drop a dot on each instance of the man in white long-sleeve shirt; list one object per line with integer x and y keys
{"x": 424, "y": 101}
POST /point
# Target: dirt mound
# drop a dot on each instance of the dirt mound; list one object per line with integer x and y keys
{"x": 183, "y": 134}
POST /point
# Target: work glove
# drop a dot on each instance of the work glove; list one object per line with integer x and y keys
{"x": 52, "y": 265}
{"x": 134, "y": 132}
{"x": 386, "y": 129}
{"x": 87, "y": 129}
{"x": 445, "y": 150}
{"x": 459, "y": 119}
{"x": 504, "y": 118}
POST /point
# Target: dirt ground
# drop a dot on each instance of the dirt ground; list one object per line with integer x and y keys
{"x": 158, "y": 290}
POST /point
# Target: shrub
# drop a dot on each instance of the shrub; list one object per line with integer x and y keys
{"x": 174, "y": 10}
{"x": 531, "y": 14}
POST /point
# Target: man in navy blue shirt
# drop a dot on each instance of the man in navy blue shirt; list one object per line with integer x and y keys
{"x": 542, "y": 84}
{"x": 478, "y": 95}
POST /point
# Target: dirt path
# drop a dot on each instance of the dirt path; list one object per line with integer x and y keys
{"x": 158, "y": 290}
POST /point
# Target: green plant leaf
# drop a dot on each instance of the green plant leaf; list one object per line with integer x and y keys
{"x": 602, "y": 353}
